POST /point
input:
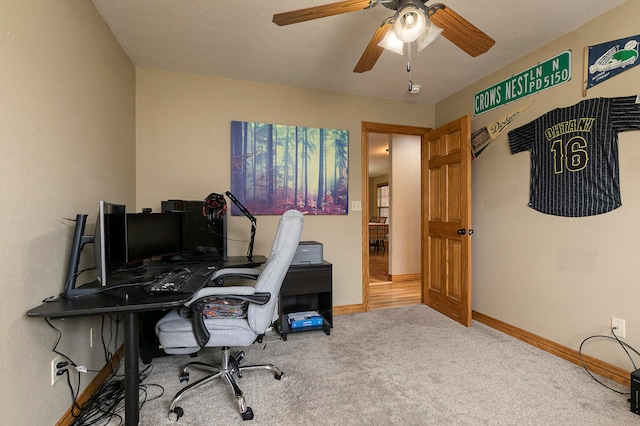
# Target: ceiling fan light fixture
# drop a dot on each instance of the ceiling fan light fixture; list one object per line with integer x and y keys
{"x": 410, "y": 23}
{"x": 429, "y": 35}
{"x": 392, "y": 43}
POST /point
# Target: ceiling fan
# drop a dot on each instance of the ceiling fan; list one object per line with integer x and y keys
{"x": 412, "y": 22}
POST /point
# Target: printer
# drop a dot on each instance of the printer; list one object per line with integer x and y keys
{"x": 308, "y": 253}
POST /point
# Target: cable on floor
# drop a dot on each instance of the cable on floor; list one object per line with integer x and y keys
{"x": 624, "y": 347}
{"x": 106, "y": 406}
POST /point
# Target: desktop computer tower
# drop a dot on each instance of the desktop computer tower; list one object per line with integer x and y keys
{"x": 635, "y": 391}
{"x": 196, "y": 236}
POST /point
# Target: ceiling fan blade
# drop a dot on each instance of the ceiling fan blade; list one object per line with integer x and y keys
{"x": 461, "y": 32}
{"x": 323, "y": 11}
{"x": 373, "y": 51}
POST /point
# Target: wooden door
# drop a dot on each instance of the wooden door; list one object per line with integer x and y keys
{"x": 446, "y": 220}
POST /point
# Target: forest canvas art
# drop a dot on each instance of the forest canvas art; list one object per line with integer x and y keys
{"x": 275, "y": 168}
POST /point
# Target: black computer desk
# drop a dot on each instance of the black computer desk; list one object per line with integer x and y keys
{"x": 136, "y": 301}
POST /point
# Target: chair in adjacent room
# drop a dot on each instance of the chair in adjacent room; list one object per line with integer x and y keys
{"x": 373, "y": 241}
{"x": 231, "y": 316}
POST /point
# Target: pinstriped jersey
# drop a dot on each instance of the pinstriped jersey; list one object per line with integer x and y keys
{"x": 574, "y": 155}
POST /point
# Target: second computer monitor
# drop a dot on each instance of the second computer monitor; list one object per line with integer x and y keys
{"x": 152, "y": 235}
{"x": 196, "y": 235}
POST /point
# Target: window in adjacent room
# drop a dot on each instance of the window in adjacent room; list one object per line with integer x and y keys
{"x": 382, "y": 196}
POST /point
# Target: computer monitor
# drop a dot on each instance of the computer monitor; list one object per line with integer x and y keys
{"x": 110, "y": 240}
{"x": 120, "y": 240}
{"x": 198, "y": 238}
{"x": 152, "y": 235}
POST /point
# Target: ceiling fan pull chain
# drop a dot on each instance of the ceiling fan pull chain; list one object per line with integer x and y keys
{"x": 409, "y": 67}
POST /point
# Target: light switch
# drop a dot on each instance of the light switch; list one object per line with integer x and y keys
{"x": 356, "y": 206}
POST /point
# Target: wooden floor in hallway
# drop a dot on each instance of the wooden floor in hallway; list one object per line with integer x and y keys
{"x": 383, "y": 292}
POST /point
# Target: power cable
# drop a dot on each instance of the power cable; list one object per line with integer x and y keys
{"x": 624, "y": 347}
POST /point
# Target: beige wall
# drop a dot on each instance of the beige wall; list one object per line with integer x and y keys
{"x": 183, "y": 151}
{"x": 561, "y": 278}
{"x": 67, "y": 129}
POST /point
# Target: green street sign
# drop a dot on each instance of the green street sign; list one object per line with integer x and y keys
{"x": 552, "y": 72}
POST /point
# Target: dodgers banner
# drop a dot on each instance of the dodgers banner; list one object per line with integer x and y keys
{"x": 609, "y": 59}
{"x": 480, "y": 139}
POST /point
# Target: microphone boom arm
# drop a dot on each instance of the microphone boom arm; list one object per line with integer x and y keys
{"x": 253, "y": 220}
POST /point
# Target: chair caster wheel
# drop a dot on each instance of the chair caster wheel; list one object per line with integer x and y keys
{"x": 184, "y": 377}
{"x": 247, "y": 415}
{"x": 278, "y": 376}
{"x": 175, "y": 414}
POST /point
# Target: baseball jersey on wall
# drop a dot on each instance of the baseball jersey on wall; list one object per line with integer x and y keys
{"x": 574, "y": 155}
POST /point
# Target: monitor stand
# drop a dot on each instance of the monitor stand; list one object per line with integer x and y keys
{"x": 79, "y": 241}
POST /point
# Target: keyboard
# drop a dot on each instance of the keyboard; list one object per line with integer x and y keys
{"x": 182, "y": 280}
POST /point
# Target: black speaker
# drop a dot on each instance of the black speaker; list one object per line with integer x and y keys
{"x": 635, "y": 391}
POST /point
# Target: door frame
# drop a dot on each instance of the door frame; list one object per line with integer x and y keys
{"x": 373, "y": 127}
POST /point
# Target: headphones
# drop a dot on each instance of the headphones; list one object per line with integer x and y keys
{"x": 214, "y": 208}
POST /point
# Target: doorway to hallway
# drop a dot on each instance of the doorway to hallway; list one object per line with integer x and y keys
{"x": 378, "y": 288}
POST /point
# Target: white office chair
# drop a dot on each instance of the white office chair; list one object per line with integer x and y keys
{"x": 254, "y": 309}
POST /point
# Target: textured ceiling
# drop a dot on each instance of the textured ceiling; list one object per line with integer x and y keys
{"x": 236, "y": 39}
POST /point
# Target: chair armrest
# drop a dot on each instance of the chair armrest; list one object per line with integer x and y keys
{"x": 220, "y": 275}
{"x": 219, "y": 293}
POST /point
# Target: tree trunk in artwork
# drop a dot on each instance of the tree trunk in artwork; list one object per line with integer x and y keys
{"x": 305, "y": 165}
{"x": 340, "y": 164}
{"x": 270, "y": 183}
{"x": 286, "y": 165}
{"x": 254, "y": 162}
{"x": 321, "y": 170}
{"x": 243, "y": 161}
{"x": 295, "y": 170}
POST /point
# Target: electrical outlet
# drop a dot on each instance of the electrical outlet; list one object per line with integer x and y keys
{"x": 54, "y": 369}
{"x": 618, "y": 325}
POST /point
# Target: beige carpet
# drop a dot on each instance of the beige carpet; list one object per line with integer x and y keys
{"x": 401, "y": 366}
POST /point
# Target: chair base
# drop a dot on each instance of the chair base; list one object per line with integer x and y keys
{"x": 230, "y": 365}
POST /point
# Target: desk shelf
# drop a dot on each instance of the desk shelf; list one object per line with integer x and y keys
{"x": 307, "y": 288}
